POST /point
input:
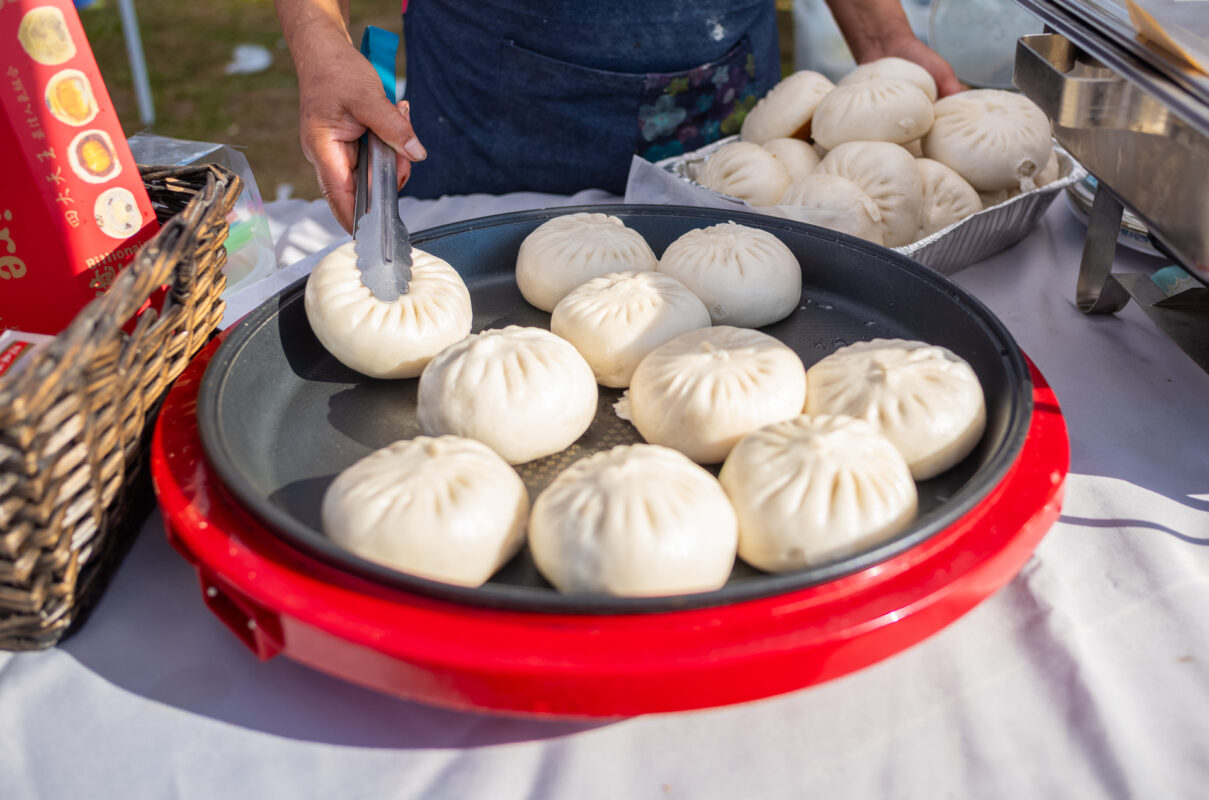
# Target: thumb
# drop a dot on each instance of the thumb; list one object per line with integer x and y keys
{"x": 402, "y": 160}
{"x": 391, "y": 126}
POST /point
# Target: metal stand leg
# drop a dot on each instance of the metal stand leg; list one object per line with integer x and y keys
{"x": 1184, "y": 317}
{"x": 1097, "y": 291}
{"x": 138, "y": 64}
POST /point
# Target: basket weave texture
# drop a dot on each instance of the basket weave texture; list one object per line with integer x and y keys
{"x": 75, "y": 424}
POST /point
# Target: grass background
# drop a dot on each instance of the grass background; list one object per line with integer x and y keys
{"x": 187, "y": 46}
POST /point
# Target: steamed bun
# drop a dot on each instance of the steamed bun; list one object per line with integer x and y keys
{"x": 893, "y": 67}
{"x": 703, "y": 390}
{"x": 947, "y": 198}
{"x": 447, "y": 508}
{"x": 637, "y": 520}
{"x": 567, "y": 250}
{"x": 787, "y": 108}
{"x": 880, "y": 109}
{"x": 1050, "y": 172}
{"x": 811, "y": 490}
{"x": 381, "y": 339}
{"x": 524, "y": 392}
{"x": 993, "y": 138}
{"x": 798, "y": 157}
{"x": 887, "y": 173}
{"x": 616, "y": 319}
{"x": 924, "y": 398}
{"x": 837, "y": 203}
{"x": 746, "y": 171}
{"x": 745, "y": 276}
{"x": 996, "y": 197}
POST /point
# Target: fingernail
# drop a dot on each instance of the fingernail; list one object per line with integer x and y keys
{"x": 416, "y": 150}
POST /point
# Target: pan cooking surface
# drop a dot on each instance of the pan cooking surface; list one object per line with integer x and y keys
{"x": 280, "y": 418}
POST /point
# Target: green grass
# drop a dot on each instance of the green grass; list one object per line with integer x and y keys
{"x": 187, "y": 45}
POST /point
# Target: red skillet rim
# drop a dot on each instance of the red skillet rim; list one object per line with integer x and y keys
{"x": 590, "y": 665}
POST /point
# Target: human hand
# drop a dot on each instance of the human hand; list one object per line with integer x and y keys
{"x": 913, "y": 49}
{"x": 340, "y": 96}
{"x": 877, "y": 29}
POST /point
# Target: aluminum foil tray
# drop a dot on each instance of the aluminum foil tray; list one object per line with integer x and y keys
{"x": 673, "y": 181}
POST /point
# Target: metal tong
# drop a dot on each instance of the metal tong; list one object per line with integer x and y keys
{"x": 382, "y": 246}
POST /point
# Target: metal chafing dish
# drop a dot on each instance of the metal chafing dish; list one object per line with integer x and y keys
{"x": 1137, "y": 117}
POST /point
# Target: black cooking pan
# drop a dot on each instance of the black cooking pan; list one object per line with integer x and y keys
{"x": 280, "y": 418}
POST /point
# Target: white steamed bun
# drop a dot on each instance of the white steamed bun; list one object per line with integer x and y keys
{"x": 836, "y": 203}
{"x": 637, "y": 520}
{"x": 380, "y": 339}
{"x": 745, "y": 276}
{"x": 746, "y": 171}
{"x": 893, "y": 67}
{"x": 616, "y": 319}
{"x": 924, "y": 398}
{"x": 798, "y": 157}
{"x": 1050, "y": 172}
{"x": 810, "y": 490}
{"x": 887, "y": 173}
{"x": 703, "y": 390}
{"x": 787, "y": 108}
{"x": 880, "y": 109}
{"x": 523, "y": 392}
{"x": 947, "y": 197}
{"x": 996, "y": 197}
{"x": 994, "y": 139}
{"x": 567, "y": 250}
{"x": 447, "y": 508}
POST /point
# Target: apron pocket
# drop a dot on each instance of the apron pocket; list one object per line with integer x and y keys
{"x": 576, "y": 129}
{"x": 683, "y": 111}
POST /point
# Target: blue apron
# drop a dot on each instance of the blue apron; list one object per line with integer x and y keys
{"x": 556, "y": 96}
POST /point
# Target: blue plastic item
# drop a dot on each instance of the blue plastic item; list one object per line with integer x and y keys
{"x": 380, "y": 47}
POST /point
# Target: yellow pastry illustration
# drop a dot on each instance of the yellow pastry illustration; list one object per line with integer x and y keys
{"x": 92, "y": 156}
{"x": 43, "y": 33}
{"x": 69, "y": 97}
{"x": 117, "y": 213}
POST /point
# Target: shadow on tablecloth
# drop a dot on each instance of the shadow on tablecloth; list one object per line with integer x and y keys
{"x": 152, "y": 636}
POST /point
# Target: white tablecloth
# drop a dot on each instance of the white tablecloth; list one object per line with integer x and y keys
{"x": 1087, "y": 676}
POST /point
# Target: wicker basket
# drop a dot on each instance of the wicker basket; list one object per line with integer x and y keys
{"x": 75, "y": 424}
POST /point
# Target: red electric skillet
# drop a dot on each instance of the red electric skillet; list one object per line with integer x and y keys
{"x": 260, "y": 423}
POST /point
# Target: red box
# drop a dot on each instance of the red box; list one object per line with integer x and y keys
{"x": 73, "y": 209}
{"x": 17, "y": 347}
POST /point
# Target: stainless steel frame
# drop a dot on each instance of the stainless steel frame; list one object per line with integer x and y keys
{"x": 1140, "y": 124}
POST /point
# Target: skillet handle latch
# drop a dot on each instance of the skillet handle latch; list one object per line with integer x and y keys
{"x": 258, "y": 628}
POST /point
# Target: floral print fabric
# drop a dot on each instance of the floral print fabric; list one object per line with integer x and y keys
{"x": 681, "y": 112}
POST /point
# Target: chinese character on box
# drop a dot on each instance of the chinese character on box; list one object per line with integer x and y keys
{"x": 73, "y": 210}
